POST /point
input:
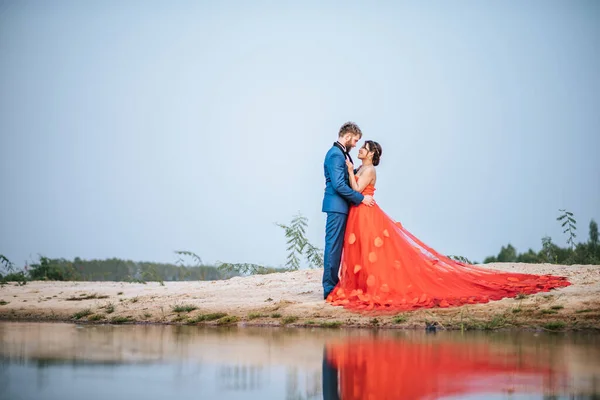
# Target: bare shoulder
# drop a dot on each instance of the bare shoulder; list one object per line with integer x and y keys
{"x": 370, "y": 170}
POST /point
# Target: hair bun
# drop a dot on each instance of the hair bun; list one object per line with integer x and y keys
{"x": 376, "y": 153}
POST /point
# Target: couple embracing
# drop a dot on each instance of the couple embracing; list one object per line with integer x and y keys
{"x": 372, "y": 262}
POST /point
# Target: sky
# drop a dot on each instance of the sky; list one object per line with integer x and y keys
{"x": 135, "y": 129}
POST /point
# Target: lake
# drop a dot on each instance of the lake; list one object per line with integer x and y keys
{"x": 69, "y": 361}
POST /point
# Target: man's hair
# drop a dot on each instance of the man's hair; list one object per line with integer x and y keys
{"x": 350, "y": 127}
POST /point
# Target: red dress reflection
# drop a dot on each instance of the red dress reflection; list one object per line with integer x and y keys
{"x": 398, "y": 369}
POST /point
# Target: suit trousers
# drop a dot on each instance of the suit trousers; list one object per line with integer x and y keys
{"x": 334, "y": 242}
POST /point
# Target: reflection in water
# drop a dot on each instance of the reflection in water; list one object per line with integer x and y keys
{"x": 330, "y": 378}
{"x": 240, "y": 377}
{"x": 51, "y": 361}
{"x": 420, "y": 369}
{"x": 300, "y": 386}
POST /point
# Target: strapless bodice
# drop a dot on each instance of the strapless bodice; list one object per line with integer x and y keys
{"x": 369, "y": 190}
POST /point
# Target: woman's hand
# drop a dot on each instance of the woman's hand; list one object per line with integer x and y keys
{"x": 350, "y": 167}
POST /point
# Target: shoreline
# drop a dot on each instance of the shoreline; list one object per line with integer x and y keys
{"x": 294, "y": 299}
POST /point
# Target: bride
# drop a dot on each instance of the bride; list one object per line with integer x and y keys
{"x": 385, "y": 267}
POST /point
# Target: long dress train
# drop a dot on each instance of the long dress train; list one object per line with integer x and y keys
{"x": 385, "y": 267}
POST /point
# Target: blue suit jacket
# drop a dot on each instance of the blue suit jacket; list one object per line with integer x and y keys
{"x": 338, "y": 193}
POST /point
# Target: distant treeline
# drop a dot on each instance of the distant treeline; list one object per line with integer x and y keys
{"x": 113, "y": 269}
{"x": 575, "y": 253}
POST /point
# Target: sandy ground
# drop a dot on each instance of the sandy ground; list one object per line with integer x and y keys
{"x": 295, "y": 299}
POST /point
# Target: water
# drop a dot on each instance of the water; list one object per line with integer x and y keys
{"x": 66, "y": 361}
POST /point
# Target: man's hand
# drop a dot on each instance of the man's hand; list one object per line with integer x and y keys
{"x": 368, "y": 201}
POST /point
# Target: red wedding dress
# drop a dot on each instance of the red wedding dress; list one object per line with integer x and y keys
{"x": 384, "y": 267}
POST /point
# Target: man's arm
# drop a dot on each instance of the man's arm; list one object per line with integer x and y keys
{"x": 336, "y": 168}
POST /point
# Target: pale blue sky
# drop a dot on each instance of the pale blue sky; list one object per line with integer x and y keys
{"x": 131, "y": 129}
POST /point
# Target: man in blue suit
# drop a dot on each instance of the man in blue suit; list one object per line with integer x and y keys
{"x": 336, "y": 202}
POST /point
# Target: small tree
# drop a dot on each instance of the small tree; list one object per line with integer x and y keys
{"x": 593, "y": 234}
{"x": 507, "y": 254}
{"x": 593, "y": 245}
{"x": 234, "y": 269}
{"x": 530, "y": 257}
{"x": 8, "y": 272}
{"x": 57, "y": 269}
{"x": 183, "y": 253}
{"x": 548, "y": 251}
{"x": 569, "y": 225}
{"x": 6, "y": 264}
{"x": 298, "y": 244}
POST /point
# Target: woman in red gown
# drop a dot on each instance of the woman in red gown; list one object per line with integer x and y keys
{"x": 385, "y": 267}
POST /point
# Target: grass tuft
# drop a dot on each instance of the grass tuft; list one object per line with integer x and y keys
{"x": 109, "y": 308}
{"x": 178, "y": 308}
{"x": 206, "y": 317}
{"x": 330, "y": 324}
{"x": 83, "y": 313}
{"x": 554, "y": 325}
{"x": 230, "y": 319}
{"x": 120, "y": 320}
{"x": 290, "y": 319}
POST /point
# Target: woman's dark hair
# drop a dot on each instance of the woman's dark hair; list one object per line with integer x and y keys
{"x": 376, "y": 149}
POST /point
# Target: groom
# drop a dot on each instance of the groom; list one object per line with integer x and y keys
{"x": 338, "y": 196}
